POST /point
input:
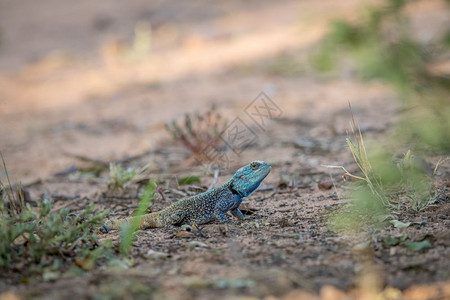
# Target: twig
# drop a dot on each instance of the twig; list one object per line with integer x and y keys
{"x": 312, "y": 173}
{"x": 334, "y": 185}
{"x": 179, "y": 193}
{"x": 33, "y": 182}
{"x": 216, "y": 177}
{"x": 134, "y": 157}
{"x": 105, "y": 163}
{"x": 345, "y": 170}
{"x": 87, "y": 159}
{"x": 161, "y": 192}
{"x": 55, "y": 209}
{"x": 64, "y": 197}
{"x": 123, "y": 197}
{"x": 199, "y": 232}
{"x": 439, "y": 164}
{"x": 66, "y": 171}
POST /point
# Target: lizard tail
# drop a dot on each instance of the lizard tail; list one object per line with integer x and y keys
{"x": 152, "y": 220}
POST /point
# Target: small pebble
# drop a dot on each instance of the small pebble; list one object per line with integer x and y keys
{"x": 325, "y": 185}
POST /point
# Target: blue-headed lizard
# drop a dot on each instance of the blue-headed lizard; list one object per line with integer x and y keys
{"x": 208, "y": 206}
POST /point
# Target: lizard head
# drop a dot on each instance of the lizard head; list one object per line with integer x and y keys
{"x": 248, "y": 178}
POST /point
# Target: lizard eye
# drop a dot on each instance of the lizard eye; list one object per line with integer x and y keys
{"x": 242, "y": 177}
{"x": 254, "y": 165}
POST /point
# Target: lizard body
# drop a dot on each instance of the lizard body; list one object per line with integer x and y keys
{"x": 208, "y": 206}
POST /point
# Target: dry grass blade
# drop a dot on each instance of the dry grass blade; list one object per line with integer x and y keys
{"x": 441, "y": 162}
{"x": 214, "y": 182}
{"x": 361, "y": 158}
{"x": 15, "y": 201}
{"x": 345, "y": 170}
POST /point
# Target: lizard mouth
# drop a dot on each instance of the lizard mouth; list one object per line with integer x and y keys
{"x": 263, "y": 172}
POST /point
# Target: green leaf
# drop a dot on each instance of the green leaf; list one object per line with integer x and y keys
{"x": 128, "y": 232}
{"x": 417, "y": 246}
{"x": 391, "y": 241}
{"x": 398, "y": 224}
{"x": 233, "y": 283}
{"x": 120, "y": 264}
{"x": 189, "y": 180}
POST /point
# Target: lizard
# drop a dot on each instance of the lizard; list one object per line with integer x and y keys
{"x": 207, "y": 206}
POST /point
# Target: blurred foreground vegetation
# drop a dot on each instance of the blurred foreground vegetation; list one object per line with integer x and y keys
{"x": 45, "y": 239}
{"x": 38, "y": 238}
{"x": 382, "y": 45}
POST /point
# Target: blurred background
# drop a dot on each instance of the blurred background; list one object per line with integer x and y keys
{"x": 102, "y": 78}
{"x": 87, "y": 87}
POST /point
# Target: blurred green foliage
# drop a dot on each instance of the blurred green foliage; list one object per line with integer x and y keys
{"x": 382, "y": 45}
{"x": 47, "y": 239}
{"x": 120, "y": 177}
{"x": 126, "y": 288}
{"x": 128, "y": 231}
{"x": 44, "y": 239}
{"x": 189, "y": 180}
{"x": 385, "y": 187}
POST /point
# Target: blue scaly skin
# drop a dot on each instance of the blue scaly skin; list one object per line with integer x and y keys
{"x": 208, "y": 206}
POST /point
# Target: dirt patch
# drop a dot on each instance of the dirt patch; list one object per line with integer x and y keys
{"x": 284, "y": 245}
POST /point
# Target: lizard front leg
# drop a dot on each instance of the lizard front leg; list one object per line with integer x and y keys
{"x": 237, "y": 214}
{"x": 221, "y": 216}
{"x": 225, "y": 204}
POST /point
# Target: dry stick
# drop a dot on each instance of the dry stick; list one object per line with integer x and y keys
{"x": 334, "y": 185}
{"x": 134, "y": 157}
{"x": 31, "y": 183}
{"x": 11, "y": 196}
{"x": 199, "y": 232}
{"x": 55, "y": 209}
{"x": 345, "y": 170}
{"x": 86, "y": 159}
{"x": 439, "y": 164}
{"x": 216, "y": 177}
{"x": 292, "y": 185}
{"x": 311, "y": 173}
{"x": 161, "y": 192}
{"x": 66, "y": 171}
{"x": 96, "y": 161}
{"x": 64, "y": 197}
{"x": 104, "y": 163}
